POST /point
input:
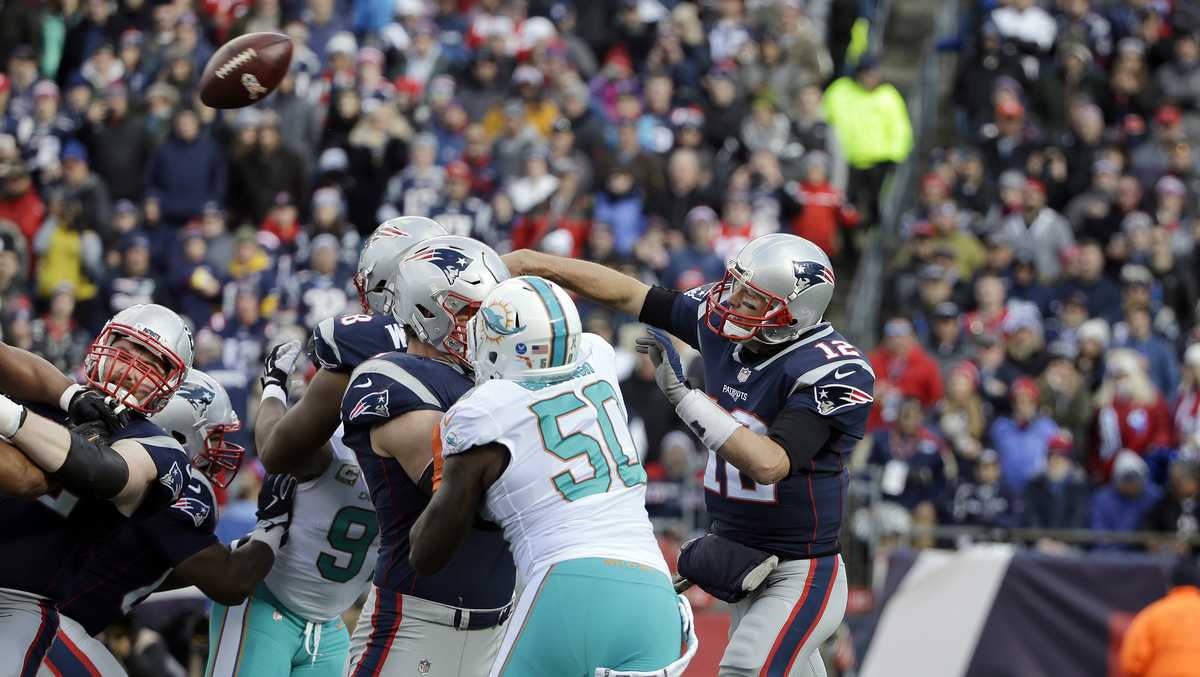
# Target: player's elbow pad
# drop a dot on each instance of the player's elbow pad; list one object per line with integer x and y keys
{"x": 92, "y": 469}
{"x": 801, "y": 433}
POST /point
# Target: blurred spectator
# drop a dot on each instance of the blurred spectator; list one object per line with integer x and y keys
{"x": 902, "y": 369}
{"x": 983, "y": 499}
{"x": 1161, "y": 639}
{"x": 118, "y": 143}
{"x": 961, "y": 416}
{"x": 1131, "y": 414}
{"x": 1022, "y": 440}
{"x": 21, "y": 204}
{"x": 871, "y": 121}
{"x": 194, "y": 281}
{"x": 1066, "y": 398}
{"x": 187, "y": 171}
{"x": 694, "y": 263}
{"x": 1057, "y": 497}
{"x": 324, "y": 289}
{"x": 1178, "y": 511}
{"x": 87, "y": 189}
{"x": 1102, "y": 294}
{"x": 1123, "y": 503}
{"x": 134, "y": 282}
{"x": 1179, "y": 79}
{"x": 69, "y": 252}
{"x": 56, "y": 335}
{"x": 266, "y": 170}
{"x": 1042, "y": 234}
{"x": 823, "y": 211}
{"x": 672, "y": 488}
{"x": 619, "y": 205}
{"x": 1187, "y": 405}
{"x": 911, "y": 459}
{"x": 459, "y": 211}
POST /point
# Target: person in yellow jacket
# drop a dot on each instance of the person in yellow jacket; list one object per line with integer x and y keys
{"x": 1164, "y": 638}
{"x": 871, "y": 121}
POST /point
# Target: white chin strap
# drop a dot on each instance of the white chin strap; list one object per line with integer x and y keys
{"x": 737, "y": 331}
{"x": 676, "y": 668}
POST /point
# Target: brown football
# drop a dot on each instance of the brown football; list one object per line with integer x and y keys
{"x": 245, "y": 70}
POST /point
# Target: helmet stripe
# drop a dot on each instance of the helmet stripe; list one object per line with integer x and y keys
{"x": 558, "y": 321}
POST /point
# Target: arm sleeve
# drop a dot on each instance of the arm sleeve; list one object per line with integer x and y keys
{"x": 678, "y": 313}
{"x": 801, "y": 433}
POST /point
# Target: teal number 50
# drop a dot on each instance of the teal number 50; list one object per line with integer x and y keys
{"x": 352, "y": 532}
{"x": 578, "y": 444}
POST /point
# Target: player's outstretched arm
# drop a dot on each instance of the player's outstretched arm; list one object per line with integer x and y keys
{"x": 441, "y": 528}
{"x": 80, "y": 460}
{"x": 225, "y": 576}
{"x": 26, "y": 376}
{"x": 293, "y": 440}
{"x": 590, "y": 280}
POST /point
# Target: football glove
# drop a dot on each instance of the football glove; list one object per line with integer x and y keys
{"x": 276, "y": 498}
{"x": 278, "y": 365}
{"x": 668, "y": 369}
{"x": 88, "y": 406}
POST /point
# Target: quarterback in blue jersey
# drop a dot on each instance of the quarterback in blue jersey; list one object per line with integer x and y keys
{"x": 450, "y": 623}
{"x": 785, "y": 399}
{"x": 177, "y": 541}
{"x": 106, "y": 475}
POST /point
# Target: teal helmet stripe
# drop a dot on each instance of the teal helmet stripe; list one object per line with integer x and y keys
{"x": 558, "y": 320}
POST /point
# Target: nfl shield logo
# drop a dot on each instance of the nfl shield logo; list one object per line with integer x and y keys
{"x": 743, "y": 375}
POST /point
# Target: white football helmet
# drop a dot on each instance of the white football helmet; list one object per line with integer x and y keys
{"x": 142, "y": 376}
{"x": 775, "y": 288}
{"x": 439, "y": 285}
{"x": 382, "y": 252}
{"x": 527, "y": 329}
{"x": 198, "y": 416}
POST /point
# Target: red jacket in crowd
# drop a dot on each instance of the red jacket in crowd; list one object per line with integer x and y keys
{"x": 900, "y": 376}
{"x": 824, "y": 211}
{"x": 1126, "y": 424}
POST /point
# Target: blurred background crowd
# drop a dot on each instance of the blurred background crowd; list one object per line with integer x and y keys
{"x": 1038, "y": 361}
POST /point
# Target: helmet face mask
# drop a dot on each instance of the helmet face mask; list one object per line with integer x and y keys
{"x": 141, "y": 357}
{"x": 737, "y": 309}
{"x": 199, "y": 416}
{"x": 220, "y": 460}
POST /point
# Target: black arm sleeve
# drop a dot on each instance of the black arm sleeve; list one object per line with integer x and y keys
{"x": 657, "y": 308}
{"x": 92, "y": 469}
{"x": 801, "y": 433}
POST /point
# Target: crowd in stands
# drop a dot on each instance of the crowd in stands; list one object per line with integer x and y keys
{"x": 1040, "y": 366}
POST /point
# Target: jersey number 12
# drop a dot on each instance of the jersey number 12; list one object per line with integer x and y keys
{"x": 623, "y": 457}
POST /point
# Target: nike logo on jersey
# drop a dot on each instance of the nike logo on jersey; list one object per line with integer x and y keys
{"x": 839, "y": 374}
{"x": 364, "y": 384}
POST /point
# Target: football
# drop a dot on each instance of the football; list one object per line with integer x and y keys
{"x": 245, "y": 70}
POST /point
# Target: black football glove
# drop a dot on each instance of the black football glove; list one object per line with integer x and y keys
{"x": 278, "y": 365}
{"x": 89, "y": 406}
{"x": 275, "y": 501}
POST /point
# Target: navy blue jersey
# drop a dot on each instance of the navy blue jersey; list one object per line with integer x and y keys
{"x": 822, "y": 372}
{"x": 342, "y": 343}
{"x": 134, "y": 561}
{"x": 481, "y": 574}
{"x": 316, "y": 297}
{"x": 414, "y": 191}
{"x": 46, "y": 541}
{"x": 471, "y": 217}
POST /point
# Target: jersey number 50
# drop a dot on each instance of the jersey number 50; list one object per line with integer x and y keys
{"x": 623, "y": 456}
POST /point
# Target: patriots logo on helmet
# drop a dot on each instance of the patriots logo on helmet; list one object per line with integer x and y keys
{"x": 197, "y": 395}
{"x": 371, "y": 404}
{"x": 390, "y": 231}
{"x": 832, "y": 397}
{"x": 452, "y": 262}
{"x": 810, "y": 274}
{"x": 192, "y": 507}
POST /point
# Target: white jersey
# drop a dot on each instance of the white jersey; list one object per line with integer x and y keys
{"x": 332, "y": 543}
{"x": 574, "y": 486}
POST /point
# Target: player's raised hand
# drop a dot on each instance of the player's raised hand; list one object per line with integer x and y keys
{"x": 278, "y": 365}
{"x": 668, "y": 369}
{"x": 275, "y": 501}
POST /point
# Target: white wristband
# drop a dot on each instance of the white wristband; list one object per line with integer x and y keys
{"x": 11, "y": 415}
{"x": 271, "y": 537}
{"x": 273, "y": 392}
{"x": 707, "y": 419}
{"x": 64, "y": 400}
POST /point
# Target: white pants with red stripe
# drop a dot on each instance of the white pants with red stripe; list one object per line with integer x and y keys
{"x": 777, "y": 629}
{"x": 75, "y": 653}
{"x": 403, "y": 636}
{"x": 27, "y": 626}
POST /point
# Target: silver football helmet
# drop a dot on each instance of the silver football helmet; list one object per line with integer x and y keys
{"x": 141, "y": 357}
{"x": 199, "y": 416}
{"x": 775, "y": 288}
{"x": 438, "y": 287}
{"x": 381, "y": 253}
